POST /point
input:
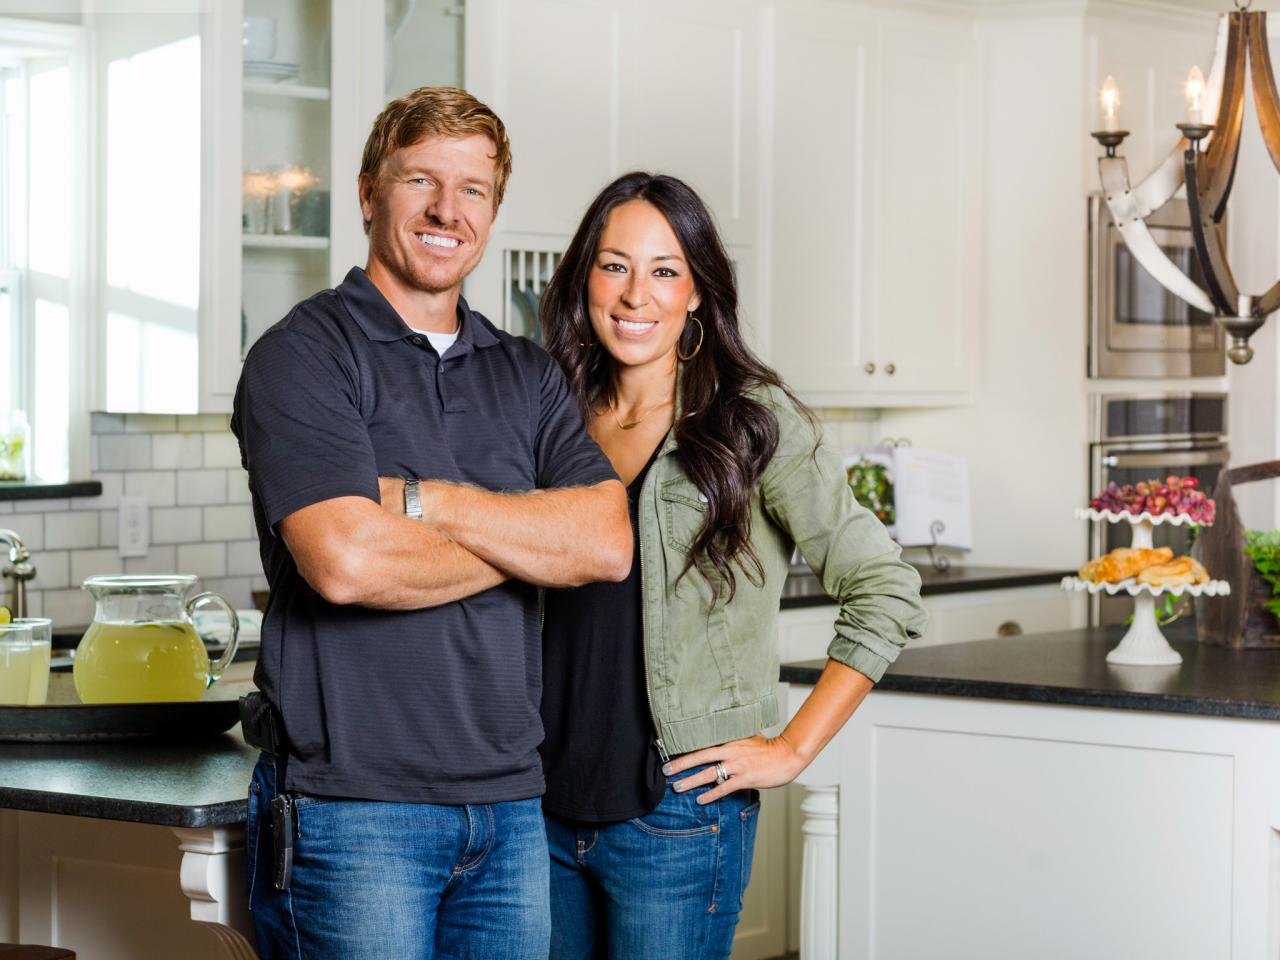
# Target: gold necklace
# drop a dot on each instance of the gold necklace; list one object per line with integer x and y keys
{"x": 635, "y": 423}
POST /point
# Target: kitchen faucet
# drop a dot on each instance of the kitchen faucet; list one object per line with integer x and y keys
{"x": 21, "y": 570}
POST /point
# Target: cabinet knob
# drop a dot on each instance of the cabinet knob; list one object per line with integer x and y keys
{"x": 870, "y": 368}
{"x": 890, "y": 369}
{"x": 1010, "y": 628}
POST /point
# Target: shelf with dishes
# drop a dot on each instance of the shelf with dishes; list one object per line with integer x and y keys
{"x": 1142, "y": 570}
{"x": 284, "y": 241}
{"x": 261, "y": 88}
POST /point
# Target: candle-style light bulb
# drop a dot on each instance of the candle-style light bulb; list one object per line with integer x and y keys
{"x": 1195, "y": 95}
{"x": 1110, "y": 100}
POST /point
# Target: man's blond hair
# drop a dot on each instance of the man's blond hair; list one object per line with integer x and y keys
{"x": 435, "y": 112}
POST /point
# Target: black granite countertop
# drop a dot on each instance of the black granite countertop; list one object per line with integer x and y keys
{"x": 802, "y": 588}
{"x": 1070, "y": 667}
{"x": 202, "y": 783}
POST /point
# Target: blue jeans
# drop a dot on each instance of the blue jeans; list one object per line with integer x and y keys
{"x": 665, "y": 886}
{"x": 414, "y": 881}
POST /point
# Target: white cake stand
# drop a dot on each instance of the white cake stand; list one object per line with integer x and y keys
{"x": 1144, "y": 645}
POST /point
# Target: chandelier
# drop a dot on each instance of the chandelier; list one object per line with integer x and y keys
{"x": 1205, "y": 160}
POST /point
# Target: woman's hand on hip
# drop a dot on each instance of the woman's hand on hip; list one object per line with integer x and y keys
{"x": 758, "y": 761}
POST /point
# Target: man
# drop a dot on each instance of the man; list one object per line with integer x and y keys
{"x": 395, "y": 810}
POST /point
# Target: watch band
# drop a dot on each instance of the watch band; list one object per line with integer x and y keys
{"x": 412, "y": 500}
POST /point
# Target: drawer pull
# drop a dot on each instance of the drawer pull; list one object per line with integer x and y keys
{"x": 1010, "y": 628}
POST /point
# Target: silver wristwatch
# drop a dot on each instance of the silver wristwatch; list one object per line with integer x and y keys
{"x": 412, "y": 500}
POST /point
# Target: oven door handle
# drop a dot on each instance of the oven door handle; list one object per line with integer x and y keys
{"x": 1163, "y": 458}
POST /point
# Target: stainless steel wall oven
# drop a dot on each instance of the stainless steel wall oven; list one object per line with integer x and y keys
{"x": 1137, "y": 437}
{"x": 1136, "y": 327}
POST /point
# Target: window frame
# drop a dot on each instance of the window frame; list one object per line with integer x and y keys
{"x": 36, "y": 38}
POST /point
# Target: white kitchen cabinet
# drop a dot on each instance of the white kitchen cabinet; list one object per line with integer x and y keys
{"x": 805, "y": 632}
{"x": 875, "y": 198}
{"x": 256, "y": 266}
{"x": 590, "y": 89}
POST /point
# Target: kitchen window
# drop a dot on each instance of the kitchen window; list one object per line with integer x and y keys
{"x": 42, "y": 275}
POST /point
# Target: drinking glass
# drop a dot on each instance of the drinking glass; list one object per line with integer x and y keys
{"x": 41, "y": 643}
{"x": 15, "y": 662}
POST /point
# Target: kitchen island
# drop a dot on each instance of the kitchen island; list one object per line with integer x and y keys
{"x": 1020, "y": 797}
{"x": 93, "y": 836}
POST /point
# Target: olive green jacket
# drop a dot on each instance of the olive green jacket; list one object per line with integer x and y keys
{"x": 711, "y": 668}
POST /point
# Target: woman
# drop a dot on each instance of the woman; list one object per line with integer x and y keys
{"x": 656, "y": 689}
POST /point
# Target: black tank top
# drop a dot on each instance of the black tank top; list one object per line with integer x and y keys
{"x": 599, "y": 756}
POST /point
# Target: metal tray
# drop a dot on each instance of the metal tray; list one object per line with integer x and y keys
{"x": 64, "y": 719}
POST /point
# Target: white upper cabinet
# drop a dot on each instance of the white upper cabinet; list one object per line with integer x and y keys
{"x": 590, "y": 89}
{"x": 876, "y": 239}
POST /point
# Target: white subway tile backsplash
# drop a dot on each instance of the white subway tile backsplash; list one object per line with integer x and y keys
{"x": 92, "y": 563}
{"x": 150, "y": 423}
{"x": 202, "y": 487}
{"x": 53, "y": 570}
{"x": 6, "y": 506}
{"x": 112, "y": 487}
{"x": 35, "y": 603}
{"x": 67, "y": 608}
{"x": 221, "y": 450}
{"x": 106, "y": 423}
{"x": 159, "y": 559}
{"x": 204, "y": 422}
{"x": 203, "y": 559}
{"x": 158, "y": 486}
{"x": 124, "y": 451}
{"x": 40, "y": 506}
{"x": 236, "y": 590}
{"x": 228, "y": 523}
{"x": 244, "y": 559}
{"x": 238, "y": 487}
{"x": 177, "y": 451}
{"x": 108, "y": 528}
{"x": 74, "y": 530}
{"x": 260, "y": 583}
{"x": 30, "y": 527}
{"x": 177, "y": 525}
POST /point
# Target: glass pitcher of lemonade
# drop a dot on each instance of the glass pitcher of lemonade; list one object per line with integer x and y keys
{"x": 142, "y": 646}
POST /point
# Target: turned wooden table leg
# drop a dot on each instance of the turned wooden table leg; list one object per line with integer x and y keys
{"x": 819, "y": 892}
{"x": 213, "y": 880}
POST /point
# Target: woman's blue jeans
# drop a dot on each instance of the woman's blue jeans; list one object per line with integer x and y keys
{"x": 666, "y": 886}
{"x": 414, "y": 881}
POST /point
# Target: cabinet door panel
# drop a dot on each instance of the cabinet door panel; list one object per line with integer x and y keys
{"x": 558, "y": 106}
{"x": 929, "y": 234}
{"x": 684, "y": 96}
{"x": 824, "y": 65}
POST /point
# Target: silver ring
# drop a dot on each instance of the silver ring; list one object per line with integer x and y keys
{"x": 721, "y": 773}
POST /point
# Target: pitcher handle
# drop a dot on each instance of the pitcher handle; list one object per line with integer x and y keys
{"x": 216, "y": 668}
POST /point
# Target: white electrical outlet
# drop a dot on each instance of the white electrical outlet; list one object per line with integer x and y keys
{"x": 135, "y": 527}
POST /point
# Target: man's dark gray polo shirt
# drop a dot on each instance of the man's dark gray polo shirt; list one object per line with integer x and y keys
{"x": 436, "y": 705}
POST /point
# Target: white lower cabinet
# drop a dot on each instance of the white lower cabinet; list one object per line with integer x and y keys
{"x": 804, "y": 633}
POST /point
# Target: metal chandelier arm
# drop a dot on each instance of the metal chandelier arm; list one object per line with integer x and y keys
{"x": 1208, "y": 239}
{"x": 1220, "y": 158}
{"x": 1264, "y": 89}
{"x": 1128, "y": 218}
{"x": 1163, "y": 182}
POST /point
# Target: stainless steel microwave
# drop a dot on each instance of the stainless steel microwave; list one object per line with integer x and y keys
{"x": 1137, "y": 328}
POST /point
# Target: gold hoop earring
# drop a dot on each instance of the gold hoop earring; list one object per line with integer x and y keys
{"x": 701, "y": 334}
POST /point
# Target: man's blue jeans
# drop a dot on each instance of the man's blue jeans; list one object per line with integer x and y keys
{"x": 666, "y": 886}
{"x": 414, "y": 881}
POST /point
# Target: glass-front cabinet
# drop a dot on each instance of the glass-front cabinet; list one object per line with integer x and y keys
{"x": 236, "y": 198}
{"x": 286, "y": 153}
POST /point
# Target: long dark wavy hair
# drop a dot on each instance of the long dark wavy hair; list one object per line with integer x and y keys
{"x": 726, "y": 437}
